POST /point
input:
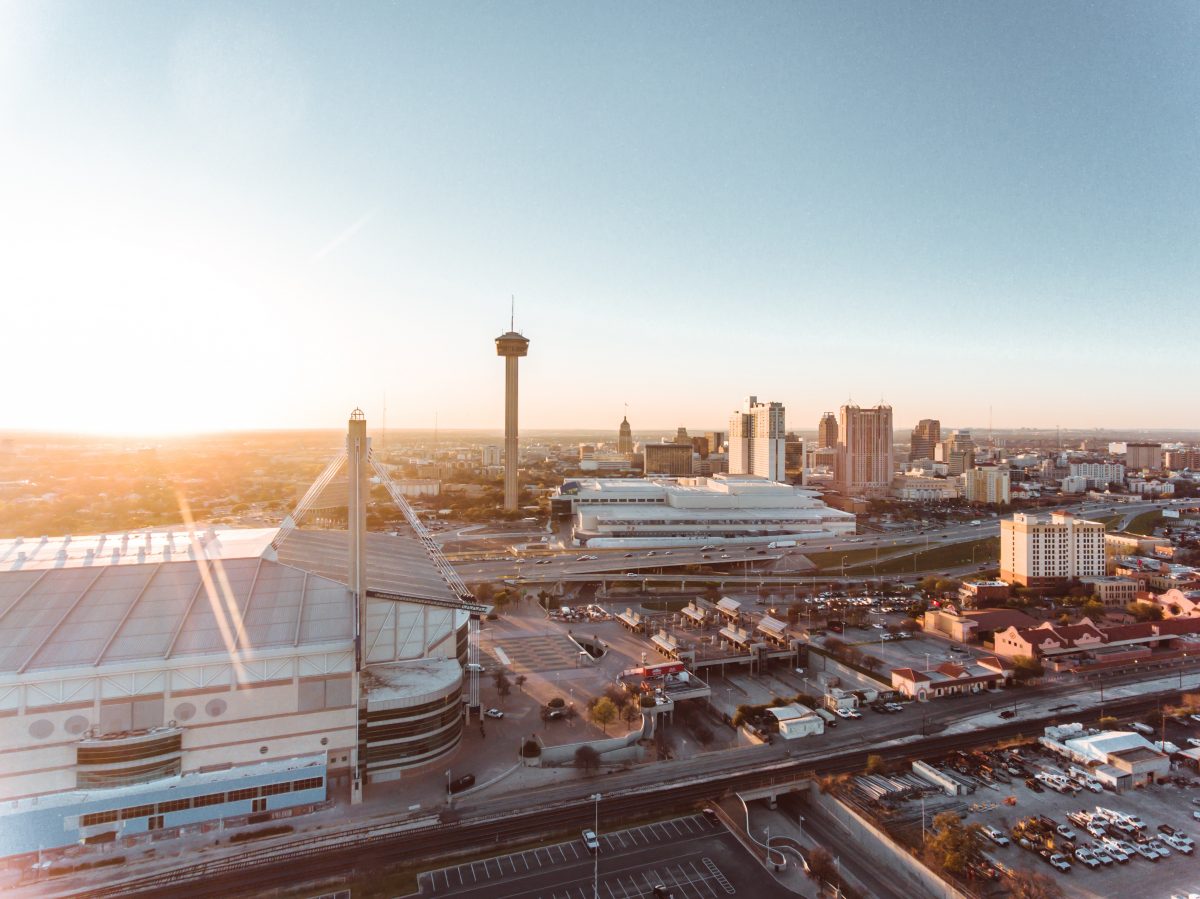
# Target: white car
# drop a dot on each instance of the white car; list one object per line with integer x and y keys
{"x": 842, "y": 713}
{"x": 590, "y": 840}
{"x": 1192, "y": 741}
{"x": 1065, "y": 830}
{"x": 995, "y": 836}
{"x": 494, "y": 713}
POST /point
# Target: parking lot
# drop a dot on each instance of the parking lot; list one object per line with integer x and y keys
{"x": 690, "y": 856}
{"x": 1158, "y": 804}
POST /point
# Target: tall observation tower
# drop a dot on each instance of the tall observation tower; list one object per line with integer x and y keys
{"x": 512, "y": 346}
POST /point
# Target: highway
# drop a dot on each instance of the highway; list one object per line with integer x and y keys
{"x": 567, "y": 565}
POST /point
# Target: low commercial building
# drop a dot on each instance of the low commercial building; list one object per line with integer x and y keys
{"x": 918, "y": 488}
{"x": 973, "y": 626}
{"x": 980, "y": 594}
{"x": 952, "y": 678}
{"x": 797, "y": 721}
{"x": 1114, "y": 592}
{"x": 1121, "y": 760}
{"x": 666, "y": 512}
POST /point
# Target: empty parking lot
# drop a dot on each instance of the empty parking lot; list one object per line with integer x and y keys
{"x": 691, "y": 856}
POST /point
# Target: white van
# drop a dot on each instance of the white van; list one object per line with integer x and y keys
{"x": 1142, "y": 728}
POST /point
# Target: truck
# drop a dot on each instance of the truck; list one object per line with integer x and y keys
{"x": 827, "y": 716}
{"x": 781, "y": 544}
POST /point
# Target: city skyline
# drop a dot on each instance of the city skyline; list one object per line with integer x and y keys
{"x": 234, "y": 218}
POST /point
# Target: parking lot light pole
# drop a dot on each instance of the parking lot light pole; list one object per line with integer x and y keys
{"x": 447, "y": 784}
{"x": 596, "y": 860}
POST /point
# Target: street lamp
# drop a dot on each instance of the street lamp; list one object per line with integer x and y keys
{"x": 844, "y": 567}
{"x": 595, "y": 797}
{"x": 447, "y": 785}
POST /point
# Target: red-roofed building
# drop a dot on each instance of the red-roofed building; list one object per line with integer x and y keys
{"x": 1051, "y": 640}
{"x": 952, "y": 678}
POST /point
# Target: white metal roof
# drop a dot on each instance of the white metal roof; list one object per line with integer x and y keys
{"x": 79, "y": 617}
{"x": 395, "y": 564}
{"x": 132, "y": 548}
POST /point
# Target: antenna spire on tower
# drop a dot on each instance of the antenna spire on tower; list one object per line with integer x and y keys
{"x": 512, "y": 312}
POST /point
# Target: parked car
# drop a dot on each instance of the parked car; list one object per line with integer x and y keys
{"x": 462, "y": 783}
{"x": 1059, "y": 861}
{"x": 996, "y": 836}
{"x": 494, "y": 713}
{"x": 590, "y": 840}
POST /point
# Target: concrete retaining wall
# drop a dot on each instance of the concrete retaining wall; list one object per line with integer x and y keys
{"x": 612, "y": 750}
{"x": 879, "y": 847}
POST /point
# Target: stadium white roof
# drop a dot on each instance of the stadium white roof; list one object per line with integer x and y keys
{"x": 71, "y": 602}
{"x": 79, "y": 617}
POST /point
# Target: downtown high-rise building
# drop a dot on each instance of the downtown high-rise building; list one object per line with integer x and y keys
{"x": 757, "y": 440}
{"x": 957, "y": 451}
{"x": 827, "y": 430}
{"x": 625, "y": 437}
{"x": 925, "y": 438}
{"x": 864, "y": 457}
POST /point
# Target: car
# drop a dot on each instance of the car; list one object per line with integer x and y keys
{"x": 590, "y": 840}
{"x": 1146, "y": 852}
{"x": 631, "y": 574}
{"x": 1167, "y": 829}
{"x": 661, "y": 892}
{"x": 1096, "y": 829}
{"x": 1195, "y": 718}
{"x": 1059, "y": 861}
{"x": 1193, "y": 741}
{"x": 1180, "y": 845}
{"x": 494, "y": 713}
{"x": 628, "y": 555}
{"x": 1085, "y": 857}
{"x": 462, "y": 783}
{"x": 842, "y": 713}
{"x": 1102, "y": 856}
{"x": 1064, "y": 830}
{"x": 473, "y": 668}
{"x": 553, "y": 714}
{"x": 1158, "y": 846}
{"x": 854, "y": 713}
{"x": 996, "y": 836}
{"x": 1008, "y": 713}
{"x": 710, "y": 814}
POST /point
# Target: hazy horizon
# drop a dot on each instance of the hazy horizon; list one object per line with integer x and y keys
{"x": 228, "y": 217}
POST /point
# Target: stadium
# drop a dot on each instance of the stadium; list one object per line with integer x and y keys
{"x": 167, "y": 680}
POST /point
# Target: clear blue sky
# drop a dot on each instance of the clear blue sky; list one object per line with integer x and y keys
{"x": 237, "y": 215}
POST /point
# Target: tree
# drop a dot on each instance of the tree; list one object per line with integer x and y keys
{"x": 556, "y": 702}
{"x": 503, "y": 684}
{"x": 483, "y": 592}
{"x": 530, "y": 749}
{"x": 519, "y": 680}
{"x": 1025, "y": 884}
{"x": 631, "y": 711}
{"x": 1026, "y": 668}
{"x": 872, "y": 663}
{"x": 1092, "y": 608}
{"x": 876, "y": 764}
{"x": 587, "y": 758}
{"x": 604, "y": 712}
{"x": 1145, "y": 611}
{"x": 820, "y": 865}
{"x": 951, "y": 845}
